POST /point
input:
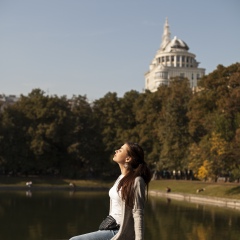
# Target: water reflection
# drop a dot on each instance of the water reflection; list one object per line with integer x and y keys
{"x": 29, "y": 193}
{"x": 182, "y": 220}
{"x": 34, "y": 215}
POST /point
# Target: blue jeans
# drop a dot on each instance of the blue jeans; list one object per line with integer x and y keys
{"x": 98, "y": 235}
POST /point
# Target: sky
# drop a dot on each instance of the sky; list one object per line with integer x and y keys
{"x": 92, "y": 47}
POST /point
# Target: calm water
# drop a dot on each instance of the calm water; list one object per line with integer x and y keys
{"x": 60, "y": 215}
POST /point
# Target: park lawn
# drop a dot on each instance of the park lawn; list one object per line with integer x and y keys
{"x": 221, "y": 190}
{"x": 51, "y": 182}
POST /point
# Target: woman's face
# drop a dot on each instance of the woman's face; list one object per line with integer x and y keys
{"x": 121, "y": 154}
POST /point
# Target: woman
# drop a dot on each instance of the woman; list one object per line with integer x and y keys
{"x": 127, "y": 197}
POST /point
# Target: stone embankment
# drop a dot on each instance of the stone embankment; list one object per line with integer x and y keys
{"x": 223, "y": 202}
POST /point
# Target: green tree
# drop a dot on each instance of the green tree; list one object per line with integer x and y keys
{"x": 86, "y": 148}
{"x": 173, "y": 126}
{"x": 107, "y": 115}
{"x": 148, "y": 107}
{"x": 37, "y": 131}
{"x": 15, "y": 152}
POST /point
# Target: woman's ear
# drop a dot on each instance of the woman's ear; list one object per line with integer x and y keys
{"x": 128, "y": 159}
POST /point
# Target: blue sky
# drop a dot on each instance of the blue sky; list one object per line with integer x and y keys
{"x": 92, "y": 47}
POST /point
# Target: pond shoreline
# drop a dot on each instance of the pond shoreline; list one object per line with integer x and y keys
{"x": 52, "y": 188}
{"x": 194, "y": 198}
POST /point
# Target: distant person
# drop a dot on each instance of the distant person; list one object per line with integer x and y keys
{"x": 168, "y": 189}
{"x": 127, "y": 198}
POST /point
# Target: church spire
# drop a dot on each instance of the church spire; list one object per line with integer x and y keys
{"x": 166, "y": 37}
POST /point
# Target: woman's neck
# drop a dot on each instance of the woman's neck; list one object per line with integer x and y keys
{"x": 124, "y": 171}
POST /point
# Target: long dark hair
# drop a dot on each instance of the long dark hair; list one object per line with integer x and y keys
{"x": 137, "y": 167}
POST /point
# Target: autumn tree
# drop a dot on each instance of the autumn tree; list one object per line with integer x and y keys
{"x": 214, "y": 118}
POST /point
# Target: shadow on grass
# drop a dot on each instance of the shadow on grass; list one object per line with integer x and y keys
{"x": 233, "y": 191}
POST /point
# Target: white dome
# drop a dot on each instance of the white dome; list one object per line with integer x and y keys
{"x": 176, "y": 44}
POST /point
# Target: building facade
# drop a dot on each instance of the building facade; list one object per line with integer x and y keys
{"x": 172, "y": 60}
{"x": 7, "y": 100}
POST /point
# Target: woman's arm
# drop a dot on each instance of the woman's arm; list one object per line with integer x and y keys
{"x": 138, "y": 208}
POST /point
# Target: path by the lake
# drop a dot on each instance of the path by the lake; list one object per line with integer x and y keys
{"x": 197, "y": 198}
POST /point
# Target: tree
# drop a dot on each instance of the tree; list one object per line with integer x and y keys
{"x": 214, "y": 107}
{"x": 173, "y": 125}
{"x": 37, "y": 131}
{"x": 148, "y": 107}
{"x": 234, "y": 156}
{"x": 218, "y": 156}
{"x": 15, "y": 152}
{"x": 86, "y": 148}
{"x": 107, "y": 115}
{"x": 214, "y": 118}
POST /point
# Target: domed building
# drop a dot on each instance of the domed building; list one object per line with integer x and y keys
{"x": 172, "y": 60}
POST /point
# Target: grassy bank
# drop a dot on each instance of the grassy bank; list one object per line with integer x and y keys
{"x": 51, "y": 182}
{"x": 222, "y": 190}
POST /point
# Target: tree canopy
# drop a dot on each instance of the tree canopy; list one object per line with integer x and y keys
{"x": 179, "y": 129}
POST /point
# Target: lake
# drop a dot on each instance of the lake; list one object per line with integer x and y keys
{"x": 53, "y": 215}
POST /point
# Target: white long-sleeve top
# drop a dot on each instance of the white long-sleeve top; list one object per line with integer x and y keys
{"x": 115, "y": 196}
